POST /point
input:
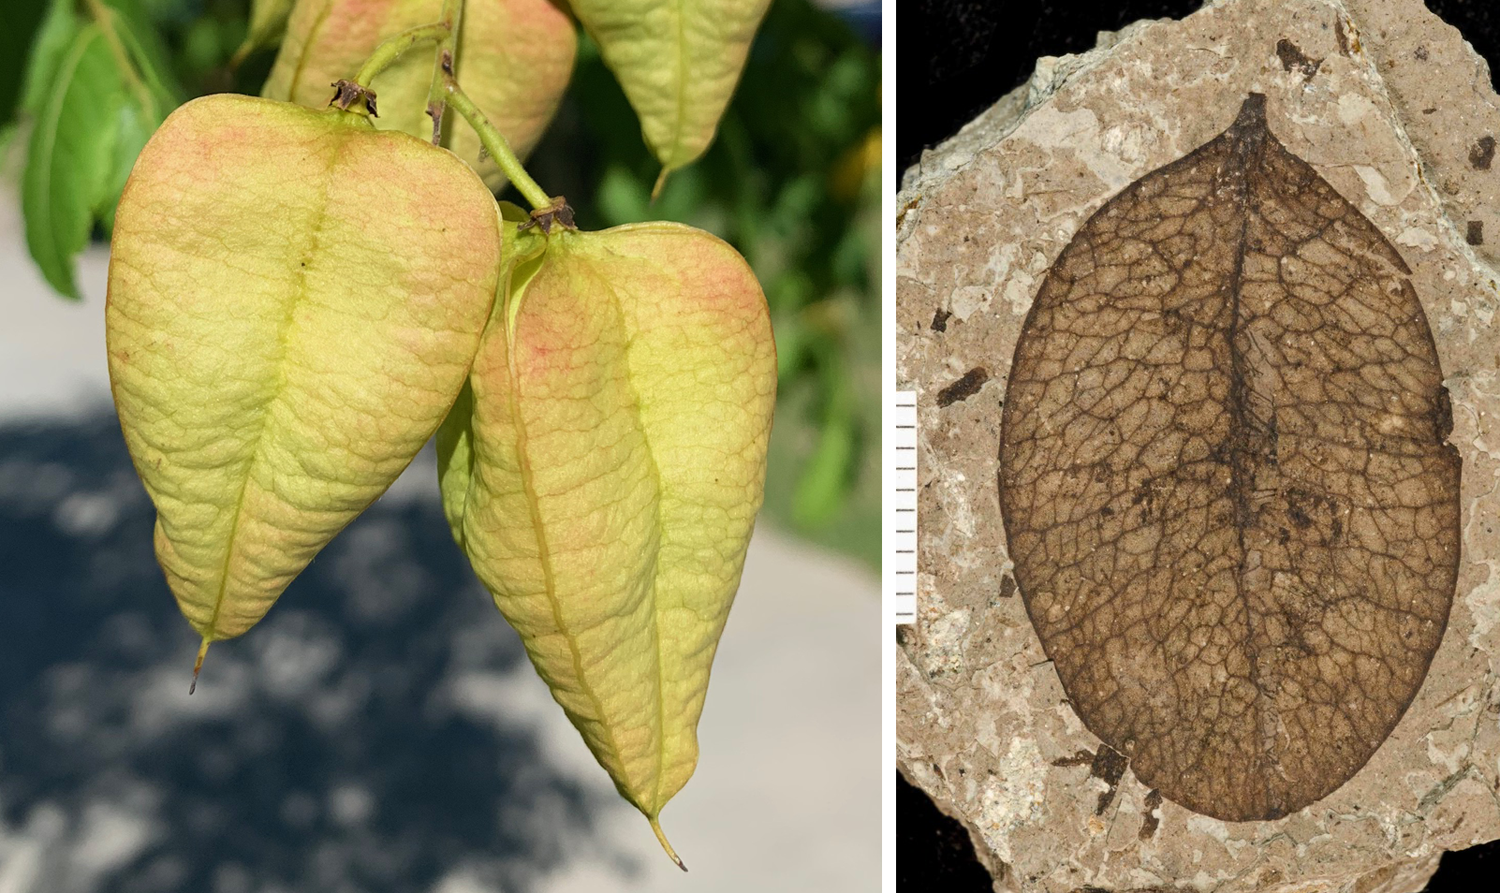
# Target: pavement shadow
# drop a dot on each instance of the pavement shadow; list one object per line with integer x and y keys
{"x": 324, "y": 750}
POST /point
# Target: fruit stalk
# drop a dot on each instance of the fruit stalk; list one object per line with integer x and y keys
{"x": 105, "y": 17}
{"x": 392, "y": 49}
{"x": 443, "y": 66}
{"x": 496, "y": 145}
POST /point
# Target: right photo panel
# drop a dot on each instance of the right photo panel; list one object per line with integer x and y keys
{"x": 1196, "y": 304}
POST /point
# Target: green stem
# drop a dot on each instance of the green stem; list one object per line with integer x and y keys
{"x": 443, "y": 66}
{"x": 496, "y": 145}
{"x": 105, "y": 18}
{"x": 391, "y": 49}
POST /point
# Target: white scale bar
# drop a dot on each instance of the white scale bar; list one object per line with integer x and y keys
{"x": 900, "y": 563}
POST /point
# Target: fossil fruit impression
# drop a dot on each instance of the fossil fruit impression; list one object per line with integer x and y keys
{"x": 1226, "y": 482}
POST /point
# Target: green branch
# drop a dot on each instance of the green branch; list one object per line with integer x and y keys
{"x": 495, "y": 144}
{"x": 105, "y": 18}
{"x": 443, "y": 66}
{"x": 391, "y": 49}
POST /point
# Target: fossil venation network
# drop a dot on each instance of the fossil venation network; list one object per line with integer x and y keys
{"x": 1225, "y": 478}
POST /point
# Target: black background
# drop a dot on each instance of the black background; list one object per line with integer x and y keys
{"x": 955, "y": 58}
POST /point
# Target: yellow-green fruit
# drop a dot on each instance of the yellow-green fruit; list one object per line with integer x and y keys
{"x": 678, "y": 62}
{"x": 603, "y": 473}
{"x": 514, "y": 60}
{"x": 294, "y": 302}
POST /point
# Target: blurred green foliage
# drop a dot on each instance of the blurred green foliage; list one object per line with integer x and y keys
{"x": 792, "y": 181}
{"x": 18, "y": 23}
{"x": 95, "y": 88}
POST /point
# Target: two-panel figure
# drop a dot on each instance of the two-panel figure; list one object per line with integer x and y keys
{"x": 1196, "y": 308}
{"x": 749, "y": 446}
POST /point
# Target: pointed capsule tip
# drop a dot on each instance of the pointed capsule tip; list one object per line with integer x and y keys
{"x": 1253, "y": 108}
{"x": 198, "y": 664}
{"x": 662, "y": 839}
{"x": 661, "y": 181}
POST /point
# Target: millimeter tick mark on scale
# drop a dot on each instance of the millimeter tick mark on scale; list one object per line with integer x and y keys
{"x": 900, "y": 507}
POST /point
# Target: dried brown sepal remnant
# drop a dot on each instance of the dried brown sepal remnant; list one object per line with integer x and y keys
{"x": 1226, "y": 482}
{"x": 559, "y": 213}
{"x": 347, "y": 92}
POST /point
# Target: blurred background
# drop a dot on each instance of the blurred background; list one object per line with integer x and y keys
{"x": 382, "y": 730}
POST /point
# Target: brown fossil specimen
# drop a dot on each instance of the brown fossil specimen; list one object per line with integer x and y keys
{"x": 1226, "y": 482}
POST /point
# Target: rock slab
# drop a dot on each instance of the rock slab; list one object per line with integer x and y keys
{"x": 1396, "y": 112}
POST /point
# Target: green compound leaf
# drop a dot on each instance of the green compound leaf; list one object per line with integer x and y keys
{"x": 132, "y": 129}
{"x": 53, "y": 38}
{"x": 678, "y": 62}
{"x": 294, "y": 303}
{"x": 514, "y": 60}
{"x": 158, "y": 91}
{"x": 604, "y": 476}
{"x": 95, "y": 97}
{"x": 68, "y": 168}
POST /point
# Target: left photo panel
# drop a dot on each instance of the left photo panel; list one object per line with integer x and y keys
{"x": 440, "y": 445}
